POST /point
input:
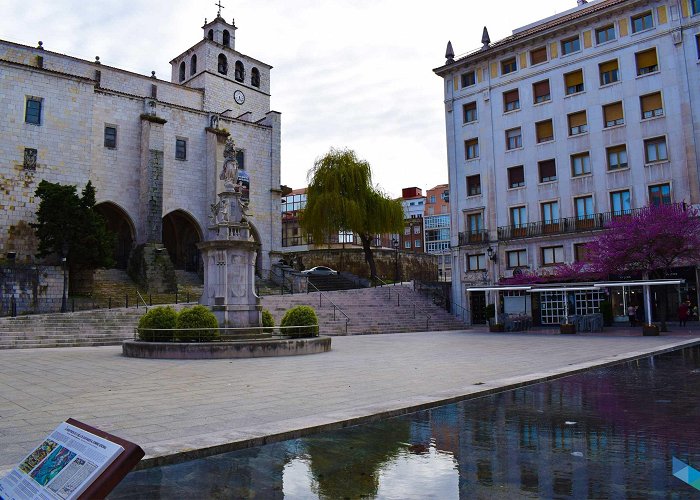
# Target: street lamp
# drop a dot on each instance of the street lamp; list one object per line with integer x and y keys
{"x": 395, "y": 244}
{"x": 493, "y": 256}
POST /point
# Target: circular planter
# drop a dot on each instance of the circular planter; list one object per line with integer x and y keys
{"x": 497, "y": 327}
{"x": 225, "y": 350}
{"x": 567, "y": 328}
{"x": 650, "y": 330}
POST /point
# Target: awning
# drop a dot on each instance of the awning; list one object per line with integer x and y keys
{"x": 638, "y": 283}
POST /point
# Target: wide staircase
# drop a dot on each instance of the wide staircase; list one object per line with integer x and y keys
{"x": 389, "y": 309}
{"x": 78, "y": 329}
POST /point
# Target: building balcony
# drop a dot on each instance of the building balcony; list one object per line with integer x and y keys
{"x": 569, "y": 225}
{"x": 473, "y": 238}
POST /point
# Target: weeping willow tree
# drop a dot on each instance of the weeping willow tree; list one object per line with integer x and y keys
{"x": 341, "y": 198}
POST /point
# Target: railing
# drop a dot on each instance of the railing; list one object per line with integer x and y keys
{"x": 433, "y": 293}
{"x": 473, "y": 237}
{"x": 410, "y": 301}
{"x": 224, "y": 334}
{"x": 321, "y": 295}
{"x": 584, "y": 223}
{"x": 138, "y": 294}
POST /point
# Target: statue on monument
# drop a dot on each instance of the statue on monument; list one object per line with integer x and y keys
{"x": 229, "y": 174}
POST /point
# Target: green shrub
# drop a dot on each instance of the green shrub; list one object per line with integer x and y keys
{"x": 158, "y": 317}
{"x": 490, "y": 311}
{"x": 302, "y": 316}
{"x": 267, "y": 320}
{"x": 197, "y": 317}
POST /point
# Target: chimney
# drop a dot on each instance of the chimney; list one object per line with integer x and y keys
{"x": 581, "y": 2}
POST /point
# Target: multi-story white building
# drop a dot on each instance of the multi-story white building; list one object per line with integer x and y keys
{"x": 575, "y": 117}
{"x": 152, "y": 148}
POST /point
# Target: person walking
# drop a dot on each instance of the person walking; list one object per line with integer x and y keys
{"x": 683, "y": 310}
{"x": 632, "y": 315}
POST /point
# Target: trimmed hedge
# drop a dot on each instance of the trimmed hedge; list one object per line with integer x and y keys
{"x": 197, "y": 317}
{"x": 305, "y": 318}
{"x": 267, "y": 320}
{"x": 157, "y": 318}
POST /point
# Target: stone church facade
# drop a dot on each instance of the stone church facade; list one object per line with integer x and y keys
{"x": 152, "y": 148}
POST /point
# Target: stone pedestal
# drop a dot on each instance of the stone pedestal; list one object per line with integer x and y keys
{"x": 229, "y": 282}
{"x": 229, "y": 264}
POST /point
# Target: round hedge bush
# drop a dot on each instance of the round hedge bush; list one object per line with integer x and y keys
{"x": 267, "y": 320}
{"x": 302, "y": 316}
{"x": 158, "y": 325}
{"x": 197, "y": 317}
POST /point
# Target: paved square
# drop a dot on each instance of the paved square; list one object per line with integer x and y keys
{"x": 176, "y": 406}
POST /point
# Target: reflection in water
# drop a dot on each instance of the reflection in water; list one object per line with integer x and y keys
{"x": 607, "y": 433}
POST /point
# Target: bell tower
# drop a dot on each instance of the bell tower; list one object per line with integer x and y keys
{"x": 220, "y": 31}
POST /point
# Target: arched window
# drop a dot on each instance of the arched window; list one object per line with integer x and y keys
{"x": 210, "y": 35}
{"x": 227, "y": 38}
{"x": 223, "y": 64}
{"x": 255, "y": 77}
{"x": 182, "y": 71}
{"x": 193, "y": 64}
{"x": 239, "y": 72}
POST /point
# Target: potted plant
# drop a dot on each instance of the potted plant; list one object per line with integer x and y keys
{"x": 567, "y": 328}
{"x": 490, "y": 312}
{"x": 650, "y": 330}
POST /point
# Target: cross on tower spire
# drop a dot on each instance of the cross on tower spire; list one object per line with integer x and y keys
{"x": 218, "y": 14}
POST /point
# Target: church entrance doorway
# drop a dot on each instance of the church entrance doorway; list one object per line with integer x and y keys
{"x": 119, "y": 223}
{"x": 180, "y": 236}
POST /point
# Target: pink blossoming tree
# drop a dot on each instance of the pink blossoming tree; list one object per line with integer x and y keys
{"x": 651, "y": 241}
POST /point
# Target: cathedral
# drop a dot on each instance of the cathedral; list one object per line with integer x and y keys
{"x": 152, "y": 148}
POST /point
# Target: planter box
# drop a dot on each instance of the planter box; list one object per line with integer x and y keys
{"x": 650, "y": 331}
{"x": 567, "y": 328}
{"x": 497, "y": 327}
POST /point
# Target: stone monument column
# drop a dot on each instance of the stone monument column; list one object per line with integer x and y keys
{"x": 228, "y": 254}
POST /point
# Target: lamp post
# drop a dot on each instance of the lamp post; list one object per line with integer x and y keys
{"x": 64, "y": 298}
{"x": 395, "y": 244}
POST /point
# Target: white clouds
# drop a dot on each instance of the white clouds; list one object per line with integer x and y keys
{"x": 347, "y": 73}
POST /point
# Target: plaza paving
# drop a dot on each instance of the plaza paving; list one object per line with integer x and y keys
{"x": 176, "y": 408}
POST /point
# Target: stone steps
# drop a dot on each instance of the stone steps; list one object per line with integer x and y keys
{"x": 371, "y": 310}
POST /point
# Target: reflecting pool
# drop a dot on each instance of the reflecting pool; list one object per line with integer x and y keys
{"x": 606, "y": 433}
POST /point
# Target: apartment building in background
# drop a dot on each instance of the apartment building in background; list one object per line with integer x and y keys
{"x": 437, "y": 227}
{"x": 573, "y": 119}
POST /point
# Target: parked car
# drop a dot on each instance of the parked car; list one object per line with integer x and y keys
{"x": 320, "y": 271}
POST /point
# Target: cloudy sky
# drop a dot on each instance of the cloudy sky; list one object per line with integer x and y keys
{"x": 347, "y": 73}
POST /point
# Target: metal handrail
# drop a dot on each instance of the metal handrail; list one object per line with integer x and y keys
{"x": 428, "y": 317}
{"x": 140, "y": 297}
{"x": 452, "y": 304}
{"x": 320, "y": 304}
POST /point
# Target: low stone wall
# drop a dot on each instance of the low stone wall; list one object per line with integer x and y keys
{"x": 420, "y": 266}
{"x": 225, "y": 350}
{"x": 35, "y": 288}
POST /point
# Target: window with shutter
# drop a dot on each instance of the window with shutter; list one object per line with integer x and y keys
{"x": 511, "y": 100}
{"x": 538, "y": 56}
{"x": 609, "y": 72}
{"x": 545, "y": 131}
{"x": 617, "y": 157}
{"x": 613, "y": 114}
{"x": 516, "y": 177}
{"x": 651, "y": 105}
{"x": 541, "y": 92}
{"x": 574, "y": 82}
{"x": 578, "y": 123}
{"x": 647, "y": 62}
{"x": 548, "y": 170}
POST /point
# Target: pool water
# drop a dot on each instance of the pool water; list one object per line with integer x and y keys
{"x": 606, "y": 433}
